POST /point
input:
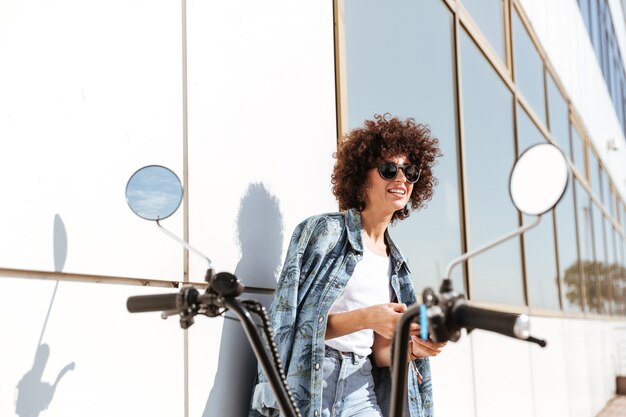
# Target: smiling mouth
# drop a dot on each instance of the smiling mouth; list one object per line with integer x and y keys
{"x": 396, "y": 191}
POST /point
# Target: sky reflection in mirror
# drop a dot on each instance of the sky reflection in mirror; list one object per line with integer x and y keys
{"x": 154, "y": 192}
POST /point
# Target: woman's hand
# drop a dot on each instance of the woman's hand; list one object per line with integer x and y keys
{"x": 420, "y": 348}
{"x": 382, "y": 318}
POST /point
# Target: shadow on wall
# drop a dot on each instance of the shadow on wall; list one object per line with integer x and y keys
{"x": 260, "y": 238}
{"x": 59, "y": 243}
{"x": 32, "y": 395}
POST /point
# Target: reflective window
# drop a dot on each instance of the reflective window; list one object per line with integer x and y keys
{"x": 578, "y": 151}
{"x": 584, "y": 10}
{"x": 594, "y": 31}
{"x": 489, "y": 16}
{"x": 528, "y": 68}
{"x": 489, "y": 154}
{"x": 568, "y": 252}
{"x": 601, "y": 294}
{"x": 559, "y": 117}
{"x": 396, "y": 80}
{"x": 620, "y": 282}
{"x": 585, "y": 236}
{"x": 594, "y": 175}
{"x": 607, "y": 193}
{"x": 612, "y": 269}
{"x": 539, "y": 249}
{"x": 612, "y": 202}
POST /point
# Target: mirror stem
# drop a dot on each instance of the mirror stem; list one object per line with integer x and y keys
{"x": 486, "y": 246}
{"x": 185, "y": 244}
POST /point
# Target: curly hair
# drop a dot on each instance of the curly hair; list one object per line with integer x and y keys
{"x": 378, "y": 140}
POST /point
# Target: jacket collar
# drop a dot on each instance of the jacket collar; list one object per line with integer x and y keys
{"x": 353, "y": 225}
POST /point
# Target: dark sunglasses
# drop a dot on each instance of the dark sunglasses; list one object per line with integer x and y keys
{"x": 388, "y": 171}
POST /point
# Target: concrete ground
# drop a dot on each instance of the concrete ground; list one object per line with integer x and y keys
{"x": 615, "y": 408}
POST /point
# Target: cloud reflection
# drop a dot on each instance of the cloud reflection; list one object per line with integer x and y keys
{"x": 154, "y": 192}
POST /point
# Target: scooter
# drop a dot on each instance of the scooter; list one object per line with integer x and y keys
{"x": 537, "y": 183}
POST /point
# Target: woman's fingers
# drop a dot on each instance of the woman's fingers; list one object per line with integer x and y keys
{"x": 421, "y": 348}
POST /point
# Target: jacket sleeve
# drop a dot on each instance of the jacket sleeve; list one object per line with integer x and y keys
{"x": 282, "y": 314}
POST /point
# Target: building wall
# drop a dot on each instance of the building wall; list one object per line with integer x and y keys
{"x": 90, "y": 93}
{"x": 238, "y": 98}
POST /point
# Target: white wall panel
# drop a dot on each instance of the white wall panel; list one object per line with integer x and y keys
{"x": 502, "y": 370}
{"x": 90, "y": 92}
{"x": 118, "y": 364}
{"x": 262, "y": 131}
{"x": 578, "y": 372}
{"x": 549, "y": 369}
{"x": 595, "y": 360}
{"x": 453, "y": 380}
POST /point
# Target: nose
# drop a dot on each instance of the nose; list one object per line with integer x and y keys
{"x": 398, "y": 177}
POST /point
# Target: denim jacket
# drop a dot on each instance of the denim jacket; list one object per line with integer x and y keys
{"x": 322, "y": 254}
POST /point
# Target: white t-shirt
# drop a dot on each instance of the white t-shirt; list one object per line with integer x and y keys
{"x": 368, "y": 286}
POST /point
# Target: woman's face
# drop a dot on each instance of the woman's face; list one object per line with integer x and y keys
{"x": 388, "y": 196}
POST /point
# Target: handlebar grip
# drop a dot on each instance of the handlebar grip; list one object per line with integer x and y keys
{"x": 156, "y": 302}
{"x": 508, "y": 324}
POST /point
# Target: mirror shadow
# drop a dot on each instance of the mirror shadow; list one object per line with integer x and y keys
{"x": 260, "y": 238}
{"x": 32, "y": 395}
{"x": 59, "y": 242}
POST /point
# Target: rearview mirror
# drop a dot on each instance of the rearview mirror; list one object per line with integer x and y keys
{"x": 538, "y": 179}
{"x": 154, "y": 192}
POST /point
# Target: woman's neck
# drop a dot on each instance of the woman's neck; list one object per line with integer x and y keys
{"x": 374, "y": 226}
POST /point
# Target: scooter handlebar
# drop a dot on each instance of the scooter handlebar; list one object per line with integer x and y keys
{"x": 156, "y": 302}
{"x": 508, "y": 324}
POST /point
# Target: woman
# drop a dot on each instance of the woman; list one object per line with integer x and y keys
{"x": 345, "y": 284}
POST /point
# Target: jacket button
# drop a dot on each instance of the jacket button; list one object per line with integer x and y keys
{"x": 317, "y": 366}
{"x": 316, "y": 413}
{"x": 321, "y": 319}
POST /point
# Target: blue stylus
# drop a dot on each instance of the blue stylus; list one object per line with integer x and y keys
{"x": 423, "y": 322}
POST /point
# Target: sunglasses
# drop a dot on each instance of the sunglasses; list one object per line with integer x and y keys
{"x": 388, "y": 171}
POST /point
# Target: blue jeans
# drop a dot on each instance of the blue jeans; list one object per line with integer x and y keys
{"x": 348, "y": 387}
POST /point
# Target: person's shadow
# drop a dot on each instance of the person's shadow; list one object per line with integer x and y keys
{"x": 260, "y": 238}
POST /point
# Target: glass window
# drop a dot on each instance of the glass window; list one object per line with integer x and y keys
{"x": 607, "y": 193}
{"x": 612, "y": 270}
{"x": 489, "y": 16}
{"x": 594, "y": 175}
{"x": 594, "y": 33}
{"x": 620, "y": 294}
{"x": 528, "y": 68}
{"x": 396, "y": 80}
{"x": 599, "y": 221}
{"x": 565, "y": 213}
{"x": 559, "y": 117}
{"x": 584, "y": 10}
{"x": 585, "y": 238}
{"x": 618, "y": 100}
{"x": 489, "y": 154}
{"x": 578, "y": 151}
{"x": 539, "y": 249}
{"x": 605, "y": 37}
